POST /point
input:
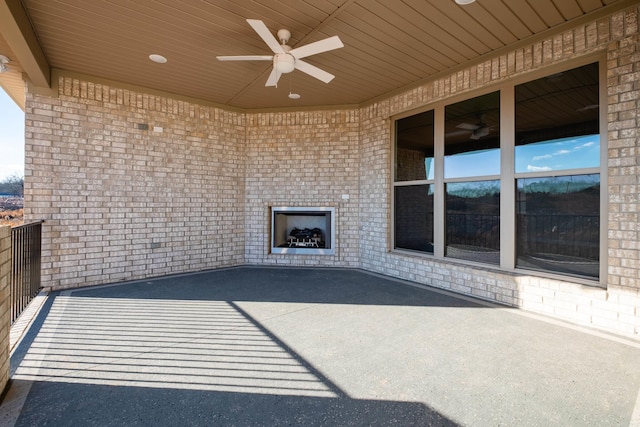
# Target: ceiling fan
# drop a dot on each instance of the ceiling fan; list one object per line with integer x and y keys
{"x": 479, "y": 130}
{"x": 286, "y": 59}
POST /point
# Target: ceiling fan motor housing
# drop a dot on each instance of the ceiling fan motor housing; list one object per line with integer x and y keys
{"x": 284, "y": 36}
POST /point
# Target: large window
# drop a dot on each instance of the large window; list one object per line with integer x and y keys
{"x": 414, "y": 217}
{"x": 471, "y": 155}
{"x": 557, "y": 161}
{"x": 413, "y": 193}
{"x": 509, "y": 178}
{"x": 473, "y": 221}
{"x": 558, "y": 224}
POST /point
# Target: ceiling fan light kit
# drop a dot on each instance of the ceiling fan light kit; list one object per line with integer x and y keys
{"x": 284, "y": 63}
{"x": 286, "y": 59}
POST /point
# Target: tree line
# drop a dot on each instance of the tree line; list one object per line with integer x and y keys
{"x": 12, "y": 185}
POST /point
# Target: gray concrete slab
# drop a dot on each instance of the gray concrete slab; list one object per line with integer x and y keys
{"x": 284, "y": 346}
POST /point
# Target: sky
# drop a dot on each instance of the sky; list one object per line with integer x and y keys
{"x": 11, "y": 137}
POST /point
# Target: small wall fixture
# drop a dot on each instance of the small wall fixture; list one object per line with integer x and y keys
{"x": 3, "y": 64}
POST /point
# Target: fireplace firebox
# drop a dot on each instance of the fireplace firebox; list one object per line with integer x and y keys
{"x": 303, "y": 230}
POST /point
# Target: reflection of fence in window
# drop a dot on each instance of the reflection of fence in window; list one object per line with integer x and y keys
{"x": 482, "y": 231}
{"x": 567, "y": 235}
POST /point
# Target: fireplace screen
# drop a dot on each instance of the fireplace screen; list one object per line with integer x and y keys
{"x": 302, "y": 230}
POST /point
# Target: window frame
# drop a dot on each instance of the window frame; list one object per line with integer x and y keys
{"x": 507, "y": 175}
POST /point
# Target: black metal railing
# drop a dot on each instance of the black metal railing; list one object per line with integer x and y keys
{"x": 477, "y": 230}
{"x": 26, "y": 244}
{"x": 561, "y": 234}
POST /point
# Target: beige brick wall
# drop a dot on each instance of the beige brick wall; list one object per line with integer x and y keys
{"x": 623, "y": 75}
{"x": 5, "y": 304}
{"x": 302, "y": 159}
{"x": 122, "y": 202}
{"x": 125, "y": 203}
{"x": 411, "y": 164}
{"x": 375, "y": 181}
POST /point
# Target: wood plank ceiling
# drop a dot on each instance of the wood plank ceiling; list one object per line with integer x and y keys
{"x": 389, "y": 44}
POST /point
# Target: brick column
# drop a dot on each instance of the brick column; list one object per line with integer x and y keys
{"x": 5, "y": 304}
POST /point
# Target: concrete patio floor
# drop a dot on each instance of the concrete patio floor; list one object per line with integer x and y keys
{"x": 286, "y": 346}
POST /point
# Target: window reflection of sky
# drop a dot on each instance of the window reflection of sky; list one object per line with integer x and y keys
{"x": 428, "y": 166}
{"x": 558, "y": 154}
{"x": 472, "y": 163}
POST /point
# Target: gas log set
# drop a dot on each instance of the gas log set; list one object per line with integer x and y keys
{"x": 305, "y": 238}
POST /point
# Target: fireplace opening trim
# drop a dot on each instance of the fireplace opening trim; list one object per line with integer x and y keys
{"x": 315, "y": 225}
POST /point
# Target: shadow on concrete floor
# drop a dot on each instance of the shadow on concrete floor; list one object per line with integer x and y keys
{"x": 264, "y": 346}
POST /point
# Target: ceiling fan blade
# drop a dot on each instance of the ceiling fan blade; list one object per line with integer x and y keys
{"x": 467, "y": 126}
{"x": 266, "y": 35}
{"x": 314, "y": 71}
{"x": 273, "y": 78}
{"x": 456, "y": 133}
{"x": 246, "y": 58}
{"x": 325, "y": 45}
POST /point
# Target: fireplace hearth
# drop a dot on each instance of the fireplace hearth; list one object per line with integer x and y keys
{"x": 303, "y": 230}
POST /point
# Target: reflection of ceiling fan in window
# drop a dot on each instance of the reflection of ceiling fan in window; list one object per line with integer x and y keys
{"x": 479, "y": 130}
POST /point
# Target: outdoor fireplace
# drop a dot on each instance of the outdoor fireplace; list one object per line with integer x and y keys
{"x": 303, "y": 230}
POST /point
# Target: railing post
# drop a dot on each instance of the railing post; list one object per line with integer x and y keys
{"x": 5, "y": 304}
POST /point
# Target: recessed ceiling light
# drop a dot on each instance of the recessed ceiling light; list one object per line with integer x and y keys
{"x": 157, "y": 58}
{"x": 463, "y": 2}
